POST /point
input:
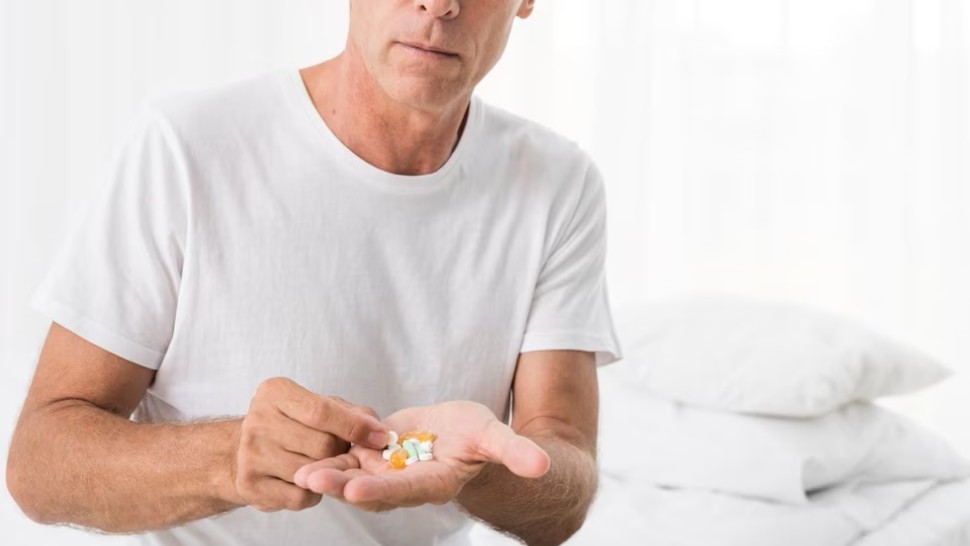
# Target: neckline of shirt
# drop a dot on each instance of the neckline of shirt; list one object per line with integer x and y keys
{"x": 375, "y": 176}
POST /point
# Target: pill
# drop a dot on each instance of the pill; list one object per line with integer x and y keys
{"x": 399, "y": 458}
{"x": 411, "y": 445}
{"x": 390, "y": 449}
{"x": 419, "y": 435}
{"x": 408, "y": 448}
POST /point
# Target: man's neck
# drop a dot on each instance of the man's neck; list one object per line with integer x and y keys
{"x": 387, "y": 134}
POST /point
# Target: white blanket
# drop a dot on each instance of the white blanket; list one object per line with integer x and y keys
{"x": 672, "y": 475}
{"x": 917, "y": 513}
{"x": 940, "y": 517}
{"x": 666, "y": 443}
{"x": 676, "y": 474}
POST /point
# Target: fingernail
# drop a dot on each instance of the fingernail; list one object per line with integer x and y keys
{"x": 377, "y": 438}
{"x": 300, "y": 477}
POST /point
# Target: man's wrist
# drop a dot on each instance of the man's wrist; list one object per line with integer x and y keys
{"x": 223, "y": 471}
{"x": 540, "y": 511}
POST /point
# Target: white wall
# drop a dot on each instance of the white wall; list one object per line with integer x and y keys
{"x": 809, "y": 150}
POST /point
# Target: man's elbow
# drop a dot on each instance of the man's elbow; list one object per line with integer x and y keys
{"x": 557, "y": 532}
{"x": 26, "y": 478}
{"x": 20, "y": 489}
{"x": 560, "y": 529}
{"x": 570, "y": 527}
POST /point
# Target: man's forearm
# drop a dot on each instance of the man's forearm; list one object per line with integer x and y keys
{"x": 541, "y": 511}
{"x": 79, "y": 464}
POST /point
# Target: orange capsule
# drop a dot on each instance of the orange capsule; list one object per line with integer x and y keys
{"x": 419, "y": 435}
{"x": 399, "y": 458}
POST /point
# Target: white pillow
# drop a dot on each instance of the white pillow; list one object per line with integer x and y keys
{"x": 764, "y": 358}
{"x": 667, "y": 443}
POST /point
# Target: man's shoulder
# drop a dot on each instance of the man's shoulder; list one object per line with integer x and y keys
{"x": 528, "y": 135}
{"x": 204, "y": 110}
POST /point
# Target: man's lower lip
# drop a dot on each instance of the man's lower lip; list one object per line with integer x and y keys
{"x": 430, "y": 52}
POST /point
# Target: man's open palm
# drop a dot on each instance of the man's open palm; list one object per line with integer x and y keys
{"x": 468, "y": 436}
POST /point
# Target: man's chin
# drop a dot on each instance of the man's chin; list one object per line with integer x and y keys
{"x": 427, "y": 94}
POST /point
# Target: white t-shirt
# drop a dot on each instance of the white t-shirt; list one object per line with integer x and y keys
{"x": 237, "y": 239}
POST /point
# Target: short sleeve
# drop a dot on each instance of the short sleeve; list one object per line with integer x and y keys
{"x": 570, "y": 305}
{"x": 115, "y": 282}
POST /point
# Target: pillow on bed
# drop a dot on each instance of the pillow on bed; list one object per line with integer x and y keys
{"x": 764, "y": 358}
{"x": 667, "y": 443}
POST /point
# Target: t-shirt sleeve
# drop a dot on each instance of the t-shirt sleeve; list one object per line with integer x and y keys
{"x": 570, "y": 305}
{"x": 115, "y": 282}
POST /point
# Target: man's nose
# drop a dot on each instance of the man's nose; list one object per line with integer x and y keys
{"x": 444, "y": 9}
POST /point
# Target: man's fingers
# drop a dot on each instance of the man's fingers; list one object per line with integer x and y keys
{"x": 328, "y": 481}
{"x": 347, "y": 422}
{"x": 415, "y": 486}
{"x": 525, "y": 458}
{"x": 316, "y": 445}
{"x": 332, "y": 482}
{"x": 356, "y": 407}
{"x": 282, "y": 467}
{"x": 340, "y": 463}
{"x": 275, "y": 494}
{"x": 520, "y": 455}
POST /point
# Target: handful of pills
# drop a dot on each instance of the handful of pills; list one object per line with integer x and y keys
{"x": 409, "y": 448}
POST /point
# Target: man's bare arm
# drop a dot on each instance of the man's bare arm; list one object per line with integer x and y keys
{"x": 555, "y": 403}
{"x": 76, "y": 457}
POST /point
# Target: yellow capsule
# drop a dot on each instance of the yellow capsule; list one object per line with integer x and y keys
{"x": 399, "y": 458}
{"x": 419, "y": 435}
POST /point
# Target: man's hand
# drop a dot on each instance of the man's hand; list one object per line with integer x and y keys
{"x": 77, "y": 457}
{"x": 287, "y": 427}
{"x": 469, "y": 436}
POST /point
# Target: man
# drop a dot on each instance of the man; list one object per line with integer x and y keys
{"x": 366, "y": 247}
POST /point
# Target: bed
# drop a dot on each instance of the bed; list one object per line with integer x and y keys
{"x": 760, "y": 425}
{"x": 636, "y": 513}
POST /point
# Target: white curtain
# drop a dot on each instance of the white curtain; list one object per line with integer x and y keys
{"x": 813, "y": 151}
{"x": 806, "y": 150}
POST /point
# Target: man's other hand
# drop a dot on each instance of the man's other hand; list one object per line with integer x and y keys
{"x": 468, "y": 437}
{"x": 288, "y": 427}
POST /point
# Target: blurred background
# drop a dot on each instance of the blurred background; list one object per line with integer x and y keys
{"x": 811, "y": 151}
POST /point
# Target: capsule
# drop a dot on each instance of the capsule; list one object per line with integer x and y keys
{"x": 399, "y": 458}
{"x": 419, "y": 435}
{"x": 409, "y": 448}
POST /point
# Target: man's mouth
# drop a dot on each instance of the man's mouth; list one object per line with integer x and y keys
{"x": 428, "y": 49}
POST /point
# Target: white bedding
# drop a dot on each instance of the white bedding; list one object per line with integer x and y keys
{"x": 899, "y": 514}
{"x": 671, "y": 444}
{"x": 941, "y": 517}
{"x": 738, "y": 460}
{"x": 677, "y": 473}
